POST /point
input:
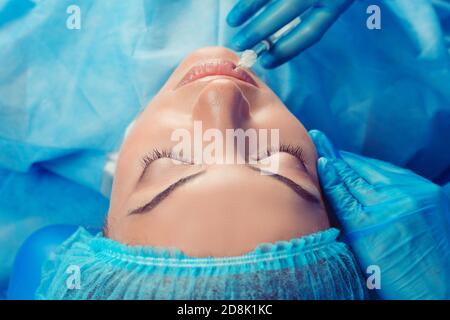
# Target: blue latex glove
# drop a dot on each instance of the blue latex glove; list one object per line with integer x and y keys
{"x": 392, "y": 218}
{"x": 276, "y": 14}
{"x": 37, "y": 249}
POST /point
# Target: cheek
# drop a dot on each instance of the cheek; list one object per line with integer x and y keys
{"x": 128, "y": 169}
{"x": 311, "y": 160}
{"x": 120, "y": 229}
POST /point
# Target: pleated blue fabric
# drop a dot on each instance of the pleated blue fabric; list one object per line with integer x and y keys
{"x": 315, "y": 266}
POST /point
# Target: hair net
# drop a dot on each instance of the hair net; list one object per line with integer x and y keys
{"x": 315, "y": 266}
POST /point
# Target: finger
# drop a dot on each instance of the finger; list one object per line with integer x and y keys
{"x": 243, "y": 10}
{"x": 275, "y": 15}
{"x": 377, "y": 171}
{"x": 341, "y": 201}
{"x": 362, "y": 191}
{"x": 313, "y": 26}
{"x": 323, "y": 145}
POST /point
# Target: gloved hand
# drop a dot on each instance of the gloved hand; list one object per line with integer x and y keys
{"x": 275, "y": 15}
{"x": 392, "y": 218}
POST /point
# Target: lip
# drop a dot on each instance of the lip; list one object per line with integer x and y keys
{"x": 216, "y": 68}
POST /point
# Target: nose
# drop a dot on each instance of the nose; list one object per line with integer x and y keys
{"x": 222, "y": 105}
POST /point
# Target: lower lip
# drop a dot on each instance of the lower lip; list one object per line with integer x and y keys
{"x": 216, "y": 68}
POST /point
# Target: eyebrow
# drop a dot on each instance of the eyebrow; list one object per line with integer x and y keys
{"x": 298, "y": 189}
{"x": 164, "y": 194}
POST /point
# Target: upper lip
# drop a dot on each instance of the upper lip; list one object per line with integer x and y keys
{"x": 214, "y": 68}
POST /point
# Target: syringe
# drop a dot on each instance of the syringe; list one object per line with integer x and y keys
{"x": 249, "y": 57}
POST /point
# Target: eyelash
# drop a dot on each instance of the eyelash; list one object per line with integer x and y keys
{"x": 295, "y": 151}
{"x": 155, "y": 155}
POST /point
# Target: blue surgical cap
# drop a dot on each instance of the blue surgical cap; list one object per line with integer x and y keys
{"x": 315, "y": 266}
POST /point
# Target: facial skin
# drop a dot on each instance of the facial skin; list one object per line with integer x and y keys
{"x": 227, "y": 209}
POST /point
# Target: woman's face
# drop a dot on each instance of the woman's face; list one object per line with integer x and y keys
{"x": 214, "y": 207}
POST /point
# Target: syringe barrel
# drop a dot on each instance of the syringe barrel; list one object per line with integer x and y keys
{"x": 267, "y": 44}
{"x": 261, "y": 47}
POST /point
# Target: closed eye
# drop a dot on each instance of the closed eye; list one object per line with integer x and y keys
{"x": 296, "y": 151}
{"x": 156, "y": 154}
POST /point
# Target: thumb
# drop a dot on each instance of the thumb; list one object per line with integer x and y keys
{"x": 323, "y": 145}
{"x": 346, "y": 208}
